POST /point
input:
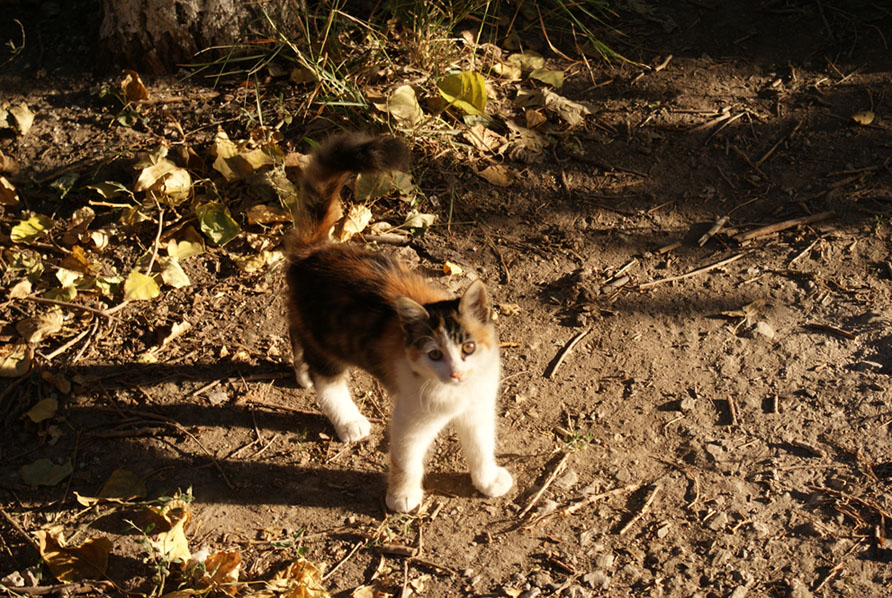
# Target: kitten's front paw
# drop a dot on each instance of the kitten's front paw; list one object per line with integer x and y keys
{"x": 403, "y": 502}
{"x": 353, "y": 430}
{"x": 495, "y": 484}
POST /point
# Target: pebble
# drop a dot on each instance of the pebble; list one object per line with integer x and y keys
{"x": 799, "y": 590}
{"x": 765, "y": 330}
{"x": 718, "y": 522}
{"x": 606, "y": 560}
{"x": 597, "y": 579}
{"x": 568, "y": 480}
{"x": 687, "y": 404}
{"x": 531, "y": 593}
{"x": 624, "y": 475}
{"x": 715, "y": 451}
{"x": 217, "y": 398}
{"x": 739, "y": 592}
{"x": 663, "y": 531}
{"x": 577, "y": 591}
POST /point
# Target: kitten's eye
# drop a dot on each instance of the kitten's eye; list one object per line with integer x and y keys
{"x": 435, "y": 355}
{"x": 469, "y": 347}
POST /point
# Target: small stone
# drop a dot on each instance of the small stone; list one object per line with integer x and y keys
{"x": 597, "y": 579}
{"x": 548, "y": 506}
{"x": 715, "y": 451}
{"x": 13, "y": 580}
{"x": 531, "y": 593}
{"x": 568, "y": 480}
{"x": 663, "y": 531}
{"x": 624, "y": 475}
{"x": 468, "y": 572}
{"x": 717, "y": 522}
{"x": 739, "y": 592}
{"x": 217, "y": 398}
{"x": 687, "y": 404}
{"x": 577, "y": 591}
{"x": 606, "y": 560}
{"x": 765, "y": 330}
{"x": 799, "y": 590}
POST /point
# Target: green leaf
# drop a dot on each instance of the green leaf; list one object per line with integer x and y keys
{"x": 216, "y": 223}
{"x": 139, "y": 287}
{"x": 466, "y": 90}
{"x": 43, "y": 410}
{"x": 44, "y": 472}
{"x": 109, "y": 189}
{"x": 553, "y": 78}
{"x": 28, "y": 230}
{"x": 528, "y": 61}
{"x": 65, "y": 183}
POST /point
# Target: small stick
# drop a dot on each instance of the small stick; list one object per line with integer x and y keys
{"x": 854, "y": 170}
{"x": 388, "y": 239}
{"x": 570, "y": 509}
{"x": 720, "y": 128}
{"x": 805, "y": 251}
{"x": 836, "y": 568}
{"x": 70, "y": 305}
{"x": 15, "y": 524}
{"x": 709, "y": 123}
{"x": 498, "y": 253}
{"x": 702, "y": 270}
{"x": 784, "y": 225}
{"x": 719, "y": 224}
{"x": 663, "y": 64}
{"x": 352, "y": 551}
{"x": 749, "y": 162}
{"x": 653, "y": 494}
{"x": 552, "y": 369}
{"x": 832, "y": 330}
{"x": 548, "y": 481}
{"x": 767, "y": 155}
{"x": 732, "y": 409}
{"x": 669, "y": 247}
{"x": 155, "y": 244}
{"x": 68, "y": 345}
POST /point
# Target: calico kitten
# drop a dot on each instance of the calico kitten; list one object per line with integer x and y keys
{"x": 438, "y": 357}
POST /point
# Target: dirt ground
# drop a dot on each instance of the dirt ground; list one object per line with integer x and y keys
{"x": 722, "y": 434}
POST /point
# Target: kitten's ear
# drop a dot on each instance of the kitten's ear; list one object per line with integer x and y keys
{"x": 475, "y": 303}
{"x": 411, "y": 313}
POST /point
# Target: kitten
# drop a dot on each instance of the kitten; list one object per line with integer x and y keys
{"x": 438, "y": 357}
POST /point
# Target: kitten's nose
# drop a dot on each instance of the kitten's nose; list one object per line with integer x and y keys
{"x": 457, "y": 376}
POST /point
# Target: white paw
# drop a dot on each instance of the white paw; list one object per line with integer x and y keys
{"x": 403, "y": 502}
{"x": 496, "y": 484}
{"x": 353, "y": 430}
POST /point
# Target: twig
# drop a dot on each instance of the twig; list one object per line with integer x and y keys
{"x": 65, "y": 589}
{"x": 548, "y": 481}
{"x": 836, "y": 568}
{"x": 749, "y": 162}
{"x": 784, "y": 225}
{"x": 832, "y": 330}
{"x": 663, "y": 64}
{"x": 715, "y": 228}
{"x": 802, "y": 253}
{"x": 709, "y": 123}
{"x": 352, "y": 551}
{"x": 562, "y": 355}
{"x": 68, "y": 345}
{"x": 721, "y": 128}
{"x": 767, "y": 155}
{"x": 67, "y": 304}
{"x": 653, "y": 494}
{"x": 702, "y": 270}
{"x": 732, "y": 409}
{"x": 498, "y": 253}
{"x": 15, "y": 524}
{"x": 83, "y": 348}
{"x": 388, "y": 239}
{"x": 155, "y": 244}
{"x": 570, "y": 509}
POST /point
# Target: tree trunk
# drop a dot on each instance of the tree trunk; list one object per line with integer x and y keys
{"x": 154, "y": 36}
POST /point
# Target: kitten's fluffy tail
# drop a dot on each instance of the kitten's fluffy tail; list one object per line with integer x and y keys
{"x": 322, "y": 179}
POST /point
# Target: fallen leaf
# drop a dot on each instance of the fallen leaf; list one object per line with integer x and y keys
{"x": 61, "y": 383}
{"x": 32, "y": 330}
{"x": 109, "y": 286}
{"x": 88, "y": 560}
{"x": 43, "y": 410}
{"x": 553, "y": 78}
{"x": 484, "y": 139}
{"x": 526, "y": 144}
{"x": 508, "y": 309}
{"x": 172, "y": 273}
{"x": 177, "y": 330}
{"x": 403, "y": 106}
{"x": 8, "y": 165}
{"x": 465, "y": 90}
{"x": 528, "y": 61}
{"x": 20, "y": 289}
{"x": 218, "y": 571}
{"x": 65, "y": 183}
{"x": 109, "y": 189}
{"x": 134, "y": 90}
{"x": 139, "y": 287}
{"x": 415, "y": 219}
{"x": 8, "y": 195}
{"x": 451, "y": 269}
{"x": 267, "y": 214}
{"x": 512, "y": 72}
{"x": 188, "y": 245}
{"x": 216, "y": 223}
{"x": 172, "y": 543}
{"x": 30, "y": 229}
{"x": 259, "y": 261}
{"x": 498, "y": 174}
{"x": 22, "y": 116}
{"x": 15, "y": 360}
{"x": 238, "y": 161}
{"x": 357, "y": 218}
{"x": 162, "y": 177}
{"x": 865, "y": 117}
{"x": 44, "y": 472}
{"x": 301, "y": 579}
{"x": 534, "y": 118}
{"x": 300, "y": 74}
{"x": 572, "y": 112}
{"x": 67, "y": 277}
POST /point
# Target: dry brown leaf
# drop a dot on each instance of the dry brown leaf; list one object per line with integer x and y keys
{"x": 534, "y": 118}
{"x": 357, "y": 218}
{"x": 134, "y": 90}
{"x": 572, "y": 112}
{"x": 525, "y": 144}
{"x": 8, "y": 165}
{"x": 20, "y": 289}
{"x": 88, "y": 560}
{"x": 267, "y": 214}
{"x": 484, "y": 139}
{"x": 32, "y": 330}
{"x": 498, "y": 174}
{"x": 8, "y": 194}
{"x": 23, "y": 117}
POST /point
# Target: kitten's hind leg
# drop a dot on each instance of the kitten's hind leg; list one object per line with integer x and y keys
{"x": 477, "y": 433}
{"x": 301, "y": 371}
{"x": 338, "y": 406}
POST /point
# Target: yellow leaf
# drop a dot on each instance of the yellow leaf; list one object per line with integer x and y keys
{"x": 508, "y": 71}
{"x": 465, "y": 90}
{"x": 8, "y": 195}
{"x": 172, "y": 544}
{"x": 139, "y": 287}
{"x": 265, "y": 214}
{"x": 43, "y": 410}
{"x": 256, "y": 263}
{"x": 15, "y": 360}
{"x": 529, "y": 60}
{"x": 865, "y": 117}
{"x": 134, "y": 90}
{"x": 553, "y": 78}
{"x": 30, "y": 229}
{"x": 88, "y": 560}
{"x": 191, "y": 243}
{"x": 172, "y": 273}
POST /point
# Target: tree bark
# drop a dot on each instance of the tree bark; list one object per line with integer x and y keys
{"x": 154, "y": 36}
